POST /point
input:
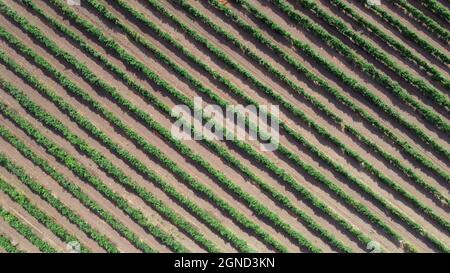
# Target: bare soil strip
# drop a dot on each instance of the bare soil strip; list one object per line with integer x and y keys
{"x": 91, "y": 218}
{"x": 16, "y": 239}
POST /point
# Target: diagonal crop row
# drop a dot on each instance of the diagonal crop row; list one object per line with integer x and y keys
{"x": 315, "y": 174}
{"x": 276, "y": 170}
{"x": 296, "y": 159}
{"x": 264, "y": 186}
{"x": 7, "y": 245}
{"x": 393, "y": 43}
{"x": 384, "y": 80}
{"x": 303, "y": 141}
{"x": 221, "y": 151}
{"x": 253, "y": 203}
{"x": 76, "y": 191}
{"x": 297, "y": 112}
{"x": 64, "y": 210}
{"x": 437, "y": 8}
{"x": 89, "y": 127}
{"x": 426, "y": 21}
{"x": 430, "y": 92}
{"x": 116, "y": 173}
{"x": 128, "y": 157}
{"x": 366, "y": 189}
{"x": 408, "y": 34}
{"x": 333, "y": 91}
{"x": 185, "y": 150}
{"x": 19, "y": 226}
{"x": 382, "y": 178}
{"x": 29, "y": 207}
{"x": 71, "y": 163}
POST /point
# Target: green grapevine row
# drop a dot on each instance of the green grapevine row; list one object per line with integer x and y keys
{"x": 308, "y": 169}
{"x": 46, "y": 195}
{"x": 76, "y": 191}
{"x": 305, "y": 143}
{"x": 419, "y": 16}
{"x": 20, "y": 227}
{"x": 425, "y": 88}
{"x": 220, "y": 150}
{"x": 337, "y": 94}
{"x": 7, "y": 245}
{"x": 409, "y": 34}
{"x": 391, "y": 42}
{"x": 437, "y": 8}
{"x": 384, "y": 80}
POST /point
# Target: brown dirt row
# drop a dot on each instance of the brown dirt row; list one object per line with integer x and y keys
{"x": 314, "y": 139}
{"x": 175, "y": 180}
{"x": 340, "y": 61}
{"x": 394, "y": 176}
{"x": 39, "y": 229}
{"x": 368, "y": 15}
{"x": 353, "y": 120}
{"x": 16, "y": 239}
{"x": 379, "y": 44}
{"x": 91, "y": 218}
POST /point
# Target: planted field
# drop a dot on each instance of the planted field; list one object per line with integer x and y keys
{"x": 89, "y": 161}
